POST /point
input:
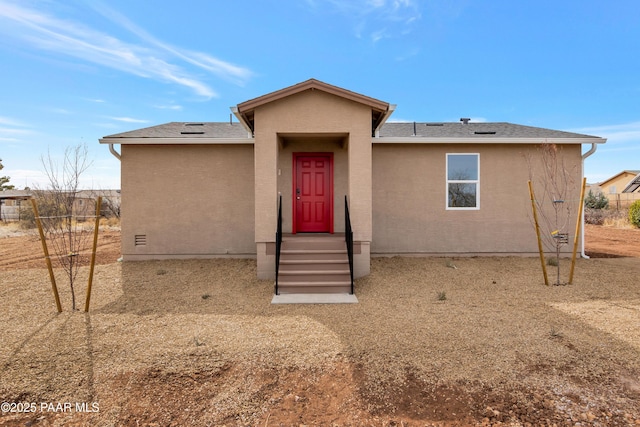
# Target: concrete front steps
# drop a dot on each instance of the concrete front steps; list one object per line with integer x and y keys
{"x": 314, "y": 264}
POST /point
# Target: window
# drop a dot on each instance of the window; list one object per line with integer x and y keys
{"x": 463, "y": 181}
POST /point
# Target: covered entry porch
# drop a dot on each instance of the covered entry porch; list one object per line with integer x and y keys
{"x": 312, "y": 147}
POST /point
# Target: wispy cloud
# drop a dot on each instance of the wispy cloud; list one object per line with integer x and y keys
{"x": 148, "y": 58}
{"x": 623, "y": 132}
{"x": 173, "y": 107}
{"x": 375, "y": 19}
{"x": 14, "y": 131}
{"x": 129, "y": 120}
{"x": 11, "y": 129}
{"x": 7, "y": 121}
{"x": 59, "y": 111}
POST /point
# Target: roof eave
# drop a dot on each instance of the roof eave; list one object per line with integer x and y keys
{"x": 175, "y": 141}
{"x": 312, "y": 84}
{"x": 484, "y": 140}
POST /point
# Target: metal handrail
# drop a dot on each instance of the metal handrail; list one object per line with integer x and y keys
{"x": 348, "y": 237}
{"x": 278, "y": 240}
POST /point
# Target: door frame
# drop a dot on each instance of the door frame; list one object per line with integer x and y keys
{"x": 325, "y": 154}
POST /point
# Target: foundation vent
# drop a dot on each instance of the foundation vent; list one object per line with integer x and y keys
{"x": 140, "y": 240}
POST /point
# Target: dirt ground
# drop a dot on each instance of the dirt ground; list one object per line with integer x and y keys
{"x": 432, "y": 342}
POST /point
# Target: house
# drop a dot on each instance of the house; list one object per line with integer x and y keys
{"x": 84, "y": 204}
{"x": 622, "y": 189}
{"x": 10, "y": 203}
{"x": 412, "y": 188}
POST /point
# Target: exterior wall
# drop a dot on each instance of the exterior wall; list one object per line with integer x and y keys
{"x": 188, "y": 201}
{"x": 311, "y": 114}
{"x": 409, "y": 200}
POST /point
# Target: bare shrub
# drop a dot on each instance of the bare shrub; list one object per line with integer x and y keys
{"x": 594, "y": 216}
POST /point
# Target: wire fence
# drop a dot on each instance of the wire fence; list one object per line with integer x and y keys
{"x": 622, "y": 201}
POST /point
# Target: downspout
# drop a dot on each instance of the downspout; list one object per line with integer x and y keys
{"x": 584, "y": 156}
{"x": 114, "y": 152}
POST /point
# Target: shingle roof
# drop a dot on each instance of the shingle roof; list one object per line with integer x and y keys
{"x": 474, "y": 130}
{"x": 187, "y": 130}
{"x": 15, "y": 194}
{"x": 390, "y": 130}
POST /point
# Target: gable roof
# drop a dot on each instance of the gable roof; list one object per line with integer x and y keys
{"x": 616, "y": 176}
{"x": 410, "y": 132}
{"x": 245, "y": 110}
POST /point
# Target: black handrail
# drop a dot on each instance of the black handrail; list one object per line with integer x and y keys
{"x": 278, "y": 239}
{"x": 348, "y": 237}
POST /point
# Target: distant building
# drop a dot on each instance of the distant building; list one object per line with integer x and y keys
{"x": 622, "y": 189}
{"x": 12, "y": 201}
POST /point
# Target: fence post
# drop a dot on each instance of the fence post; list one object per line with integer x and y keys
{"x": 46, "y": 256}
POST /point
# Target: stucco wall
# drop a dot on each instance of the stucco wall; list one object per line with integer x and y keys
{"x": 188, "y": 201}
{"x": 409, "y": 200}
{"x": 315, "y": 114}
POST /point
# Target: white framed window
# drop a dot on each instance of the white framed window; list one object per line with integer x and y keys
{"x": 463, "y": 181}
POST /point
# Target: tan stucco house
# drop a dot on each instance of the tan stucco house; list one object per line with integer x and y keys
{"x": 412, "y": 188}
{"x": 621, "y": 189}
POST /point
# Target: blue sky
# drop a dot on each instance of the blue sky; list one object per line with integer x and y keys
{"x": 74, "y": 71}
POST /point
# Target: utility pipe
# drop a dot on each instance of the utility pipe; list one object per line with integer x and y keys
{"x": 592, "y": 150}
{"x": 114, "y": 152}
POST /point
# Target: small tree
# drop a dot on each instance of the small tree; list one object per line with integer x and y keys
{"x": 554, "y": 182}
{"x": 596, "y": 201}
{"x": 66, "y": 235}
{"x": 4, "y": 180}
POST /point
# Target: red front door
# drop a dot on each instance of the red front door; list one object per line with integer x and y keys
{"x": 313, "y": 193}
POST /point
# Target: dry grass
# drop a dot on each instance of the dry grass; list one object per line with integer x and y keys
{"x": 617, "y": 219}
{"x": 155, "y": 350}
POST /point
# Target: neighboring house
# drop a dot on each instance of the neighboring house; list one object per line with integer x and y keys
{"x": 621, "y": 189}
{"x": 449, "y": 189}
{"x": 10, "y": 203}
{"x": 85, "y": 203}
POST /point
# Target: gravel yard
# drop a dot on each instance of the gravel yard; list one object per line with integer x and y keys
{"x": 433, "y": 341}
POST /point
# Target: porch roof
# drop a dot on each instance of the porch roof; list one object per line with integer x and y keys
{"x": 380, "y": 110}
